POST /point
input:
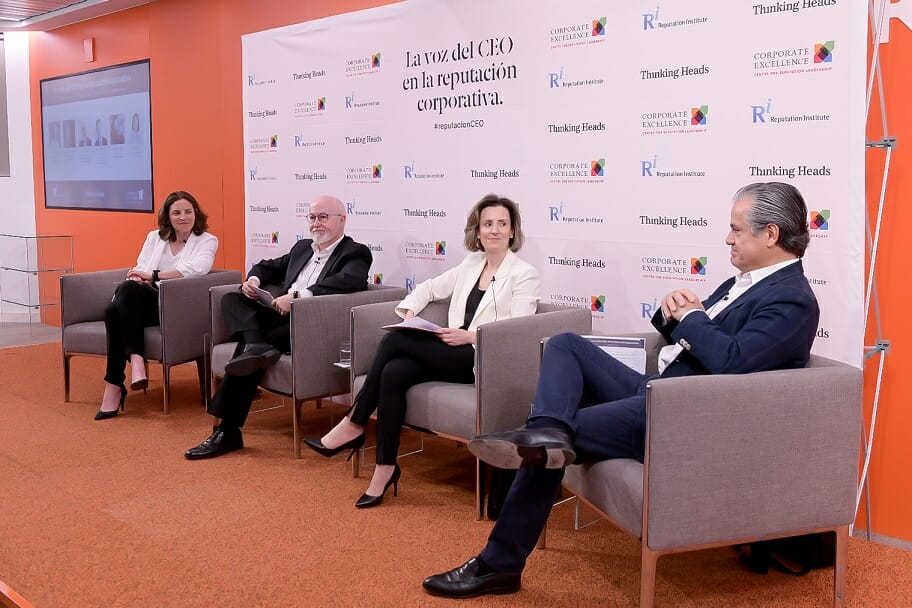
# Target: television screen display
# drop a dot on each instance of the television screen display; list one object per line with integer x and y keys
{"x": 97, "y": 133}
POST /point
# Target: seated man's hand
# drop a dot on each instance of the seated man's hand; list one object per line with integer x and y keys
{"x": 247, "y": 288}
{"x": 282, "y": 304}
{"x": 678, "y": 302}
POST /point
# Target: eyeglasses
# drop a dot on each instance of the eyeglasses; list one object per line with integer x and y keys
{"x": 311, "y": 218}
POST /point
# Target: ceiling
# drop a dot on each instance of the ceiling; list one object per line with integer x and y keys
{"x": 44, "y": 15}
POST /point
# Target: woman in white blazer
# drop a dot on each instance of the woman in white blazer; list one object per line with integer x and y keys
{"x": 491, "y": 283}
{"x": 180, "y": 247}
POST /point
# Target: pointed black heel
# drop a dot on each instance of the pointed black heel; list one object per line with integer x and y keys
{"x": 140, "y": 384}
{"x": 367, "y": 501}
{"x": 103, "y": 415}
{"x": 354, "y": 445}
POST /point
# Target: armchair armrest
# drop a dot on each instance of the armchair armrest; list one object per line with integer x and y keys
{"x": 183, "y": 308}
{"x": 218, "y": 334}
{"x": 318, "y": 326}
{"x": 732, "y": 457}
{"x": 84, "y": 296}
{"x": 366, "y": 332}
{"x": 507, "y": 357}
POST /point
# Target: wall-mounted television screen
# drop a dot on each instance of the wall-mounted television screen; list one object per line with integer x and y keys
{"x": 97, "y": 132}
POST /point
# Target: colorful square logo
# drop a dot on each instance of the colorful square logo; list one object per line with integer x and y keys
{"x": 440, "y": 248}
{"x": 698, "y": 265}
{"x": 698, "y": 115}
{"x": 823, "y": 53}
{"x": 378, "y": 171}
{"x": 273, "y": 141}
{"x": 598, "y": 168}
{"x": 820, "y": 220}
{"x": 598, "y": 26}
{"x": 377, "y": 279}
{"x": 375, "y": 60}
{"x": 275, "y": 238}
{"x": 321, "y": 103}
{"x": 598, "y": 304}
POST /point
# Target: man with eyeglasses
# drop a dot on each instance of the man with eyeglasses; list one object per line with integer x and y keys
{"x": 327, "y": 263}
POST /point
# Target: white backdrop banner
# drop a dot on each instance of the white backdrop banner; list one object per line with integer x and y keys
{"x": 622, "y": 131}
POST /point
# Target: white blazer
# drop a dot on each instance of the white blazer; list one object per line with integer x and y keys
{"x": 195, "y": 259}
{"x": 514, "y": 292}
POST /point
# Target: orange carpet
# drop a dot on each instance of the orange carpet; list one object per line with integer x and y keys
{"x": 109, "y": 514}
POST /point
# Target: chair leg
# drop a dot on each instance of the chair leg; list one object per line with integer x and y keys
{"x": 66, "y": 379}
{"x": 543, "y": 538}
{"x": 356, "y": 462}
{"x": 842, "y": 563}
{"x": 648, "y": 576}
{"x": 166, "y": 379}
{"x": 201, "y": 375}
{"x": 296, "y": 415}
{"x": 479, "y": 489}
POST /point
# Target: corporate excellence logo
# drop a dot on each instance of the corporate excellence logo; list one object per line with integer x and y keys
{"x": 353, "y": 102}
{"x": 267, "y": 144}
{"x": 770, "y": 114}
{"x": 557, "y": 213}
{"x": 377, "y": 278}
{"x": 807, "y": 59}
{"x": 675, "y": 121}
{"x": 579, "y": 33}
{"x": 264, "y": 239}
{"x": 367, "y": 174}
{"x": 411, "y": 172}
{"x": 309, "y": 74}
{"x": 772, "y": 8}
{"x": 692, "y": 269}
{"x": 309, "y": 108}
{"x": 572, "y": 80}
{"x": 425, "y": 250}
{"x": 595, "y": 303}
{"x": 253, "y": 81}
{"x": 353, "y": 208}
{"x": 819, "y": 223}
{"x": 580, "y": 171}
{"x": 363, "y": 65}
{"x": 653, "y": 168}
{"x": 658, "y": 20}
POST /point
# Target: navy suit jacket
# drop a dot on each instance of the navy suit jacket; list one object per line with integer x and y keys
{"x": 345, "y": 270}
{"x": 770, "y": 326}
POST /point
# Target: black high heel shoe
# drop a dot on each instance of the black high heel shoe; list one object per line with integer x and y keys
{"x": 354, "y": 445}
{"x": 366, "y": 501}
{"x": 103, "y": 415}
{"x": 140, "y": 385}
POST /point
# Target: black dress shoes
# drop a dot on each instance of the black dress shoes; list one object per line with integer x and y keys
{"x": 221, "y": 441}
{"x": 253, "y": 357}
{"x": 465, "y": 581}
{"x": 550, "y": 448}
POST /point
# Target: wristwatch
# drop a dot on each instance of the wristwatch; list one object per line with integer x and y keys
{"x": 155, "y": 276}
{"x": 295, "y": 295}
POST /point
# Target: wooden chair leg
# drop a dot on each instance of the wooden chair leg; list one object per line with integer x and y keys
{"x": 166, "y": 379}
{"x": 842, "y": 563}
{"x": 647, "y": 576}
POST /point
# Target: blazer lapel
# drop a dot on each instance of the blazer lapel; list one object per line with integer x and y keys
{"x": 757, "y": 290}
{"x": 503, "y": 272}
{"x": 295, "y": 265}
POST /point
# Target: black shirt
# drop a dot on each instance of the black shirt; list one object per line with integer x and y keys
{"x": 472, "y": 304}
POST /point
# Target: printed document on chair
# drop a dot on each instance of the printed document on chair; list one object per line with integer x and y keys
{"x": 629, "y": 351}
{"x": 416, "y": 323}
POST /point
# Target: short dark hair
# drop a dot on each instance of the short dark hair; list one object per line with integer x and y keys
{"x": 165, "y": 230}
{"x": 782, "y": 205}
{"x": 472, "y": 243}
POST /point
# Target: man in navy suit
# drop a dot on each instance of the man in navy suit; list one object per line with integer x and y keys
{"x": 328, "y": 263}
{"x": 763, "y": 318}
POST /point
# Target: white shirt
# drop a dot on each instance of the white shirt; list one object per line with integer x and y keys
{"x": 743, "y": 282}
{"x": 311, "y": 271}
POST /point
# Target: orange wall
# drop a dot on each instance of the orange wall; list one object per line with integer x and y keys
{"x": 195, "y": 52}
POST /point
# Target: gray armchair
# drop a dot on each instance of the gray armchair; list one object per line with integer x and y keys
{"x": 318, "y": 326}
{"x": 506, "y": 372}
{"x": 735, "y": 458}
{"x": 178, "y": 339}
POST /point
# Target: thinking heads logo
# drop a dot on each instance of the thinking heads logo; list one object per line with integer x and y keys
{"x": 698, "y": 265}
{"x": 823, "y": 53}
{"x": 375, "y": 60}
{"x": 598, "y": 168}
{"x": 377, "y": 172}
{"x": 598, "y": 304}
{"x": 377, "y": 279}
{"x": 440, "y": 248}
{"x": 820, "y": 220}
{"x": 598, "y": 26}
{"x": 698, "y": 115}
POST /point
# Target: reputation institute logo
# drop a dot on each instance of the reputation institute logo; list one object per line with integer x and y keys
{"x": 572, "y": 79}
{"x": 269, "y": 143}
{"x": 675, "y": 120}
{"x": 658, "y": 20}
{"x": 363, "y": 65}
{"x": 769, "y": 114}
{"x": 410, "y": 172}
{"x": 253, "y": 81}
{"x": 819, "y": 223}
{"x": 689, "y": 269}
{"x": 366, "y": 174}
{"x": 578, "y": 33}
{"x": 796, "y": 59}
{"x": 353, "y": 102}
{"x": 303, "y": 142}
{"x": 309, "y": 108}
{"x": 577, "y": 171}
{"x": 356, "y": 209}
{"x": 556, "y": 213}
{"x": 425, "y": 250}
{"x": 254, "y": 175}
{"x": 651, "y": 167}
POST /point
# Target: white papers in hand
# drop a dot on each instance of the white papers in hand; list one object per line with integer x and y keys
{"x": 266, "y": 298}
{"x": 413, "y": 323}
{"x": 629, "y": 351}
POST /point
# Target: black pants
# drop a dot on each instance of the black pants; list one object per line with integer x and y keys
{"x": 248, "y": 322}
{"x": 403, "y": 360}
{"x": 134, "y": 307}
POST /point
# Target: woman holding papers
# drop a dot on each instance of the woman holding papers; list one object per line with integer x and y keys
{"x": 491, "y": 283}
{"x": 180, "y": 247}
